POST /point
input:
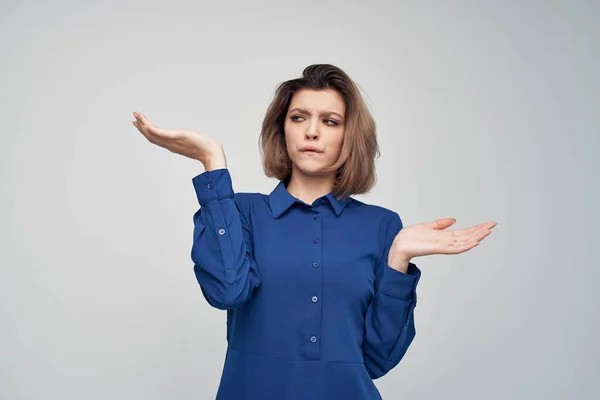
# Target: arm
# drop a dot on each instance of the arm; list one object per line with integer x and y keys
{"x": 390, "y": 325}
{"x": 222, "y": 249}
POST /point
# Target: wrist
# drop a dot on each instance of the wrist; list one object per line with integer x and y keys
{"x": 214, "y": 164}
{"x": 215, "y": 160}
{"x": 398, "y": 261}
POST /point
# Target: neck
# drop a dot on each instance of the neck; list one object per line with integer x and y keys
{"x": 309, "y": 188}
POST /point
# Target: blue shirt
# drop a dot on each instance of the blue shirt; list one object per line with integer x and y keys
{"x": 314, "y": 311}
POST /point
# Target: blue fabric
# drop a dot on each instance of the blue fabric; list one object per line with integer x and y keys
{"x": 314, "y": 312}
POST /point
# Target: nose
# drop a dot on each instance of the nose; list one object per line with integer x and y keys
{"x": 312, "y": 130}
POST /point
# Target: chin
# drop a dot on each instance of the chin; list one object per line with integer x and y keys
{"x": 310, "y": 169}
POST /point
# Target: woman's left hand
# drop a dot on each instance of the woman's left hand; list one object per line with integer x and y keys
{"x": 430, "y": 238}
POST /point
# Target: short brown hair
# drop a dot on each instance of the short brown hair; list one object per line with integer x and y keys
{"x": 355, "y": 167}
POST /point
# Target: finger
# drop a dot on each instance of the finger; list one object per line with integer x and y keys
{"x": 142, "y": 130}
{"x": 476, "y": 236}
{"x": 459, "y": 241}
{"x": 152, "y": 138}
{"x": 137, "y": 117}
{"x": 151, "y": 128}
{"x": 162, "y": 133}
{"x": 143, "y": 124}
{"x": 148, "y": 130}
{"x": 475, "y": 228}
{"x": 480, "y": 235}
{"x": 486, "y": 225}
{"x": 441, "y": 223}
{"x": 138, "y": 127}
{"x": 463, "y": 234}
{"x": 460, "y": 245}
{"x": 144, "y": 119}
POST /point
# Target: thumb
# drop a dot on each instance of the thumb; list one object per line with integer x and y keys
{"x": 442, "y": 223}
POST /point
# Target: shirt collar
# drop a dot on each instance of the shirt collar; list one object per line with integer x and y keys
{"x": 280, "y": 200}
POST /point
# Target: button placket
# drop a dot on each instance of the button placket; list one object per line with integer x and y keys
{"x": 313, "y": 350}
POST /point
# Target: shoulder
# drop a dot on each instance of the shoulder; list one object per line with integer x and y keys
{"x": 246, "y": 199}
{"x": 244, "y": 203}
{"x": 387, "y": 220}
{"x": 249, "y": 203}
{"x": 373, "y": 210}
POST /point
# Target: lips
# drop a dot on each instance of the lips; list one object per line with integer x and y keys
{"x": 311, "y": 150}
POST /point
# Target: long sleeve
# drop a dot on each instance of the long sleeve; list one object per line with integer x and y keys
{"x": 390, "y": 325}
{"x": 222, "y": 249}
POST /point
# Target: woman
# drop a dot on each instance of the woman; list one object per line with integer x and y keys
{"x": 319, "y": 287}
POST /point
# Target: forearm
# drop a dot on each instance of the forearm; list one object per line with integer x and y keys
{"x": 222, "y": 246}
{"x": 389, "y": 320}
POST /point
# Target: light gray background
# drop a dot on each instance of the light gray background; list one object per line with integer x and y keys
{"x": 486, "y": 111}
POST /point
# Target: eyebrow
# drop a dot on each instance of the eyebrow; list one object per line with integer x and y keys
{"x": 322, "y": 113}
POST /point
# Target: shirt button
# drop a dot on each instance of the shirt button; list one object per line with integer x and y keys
{"x": 314, "y": 299}
{"x": 316, "y": 217}
{"x": 313, "y": 339}
{"x": 209, "y": 185}
{"x": 221, "y": 231}
{"x": 316, "y": 240}
{"x": 315, "y": 264}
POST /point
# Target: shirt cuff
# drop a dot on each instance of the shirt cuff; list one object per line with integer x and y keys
{"x": 399, "y": 284}
{"x": 211, "y": 185}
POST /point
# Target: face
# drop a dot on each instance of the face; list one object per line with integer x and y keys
{"x": 314, "y": 129}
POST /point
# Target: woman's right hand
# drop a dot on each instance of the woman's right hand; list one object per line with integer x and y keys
{"x": 191, "y": 144}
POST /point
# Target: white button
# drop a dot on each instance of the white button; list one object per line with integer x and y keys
{"x": 221, "y": 231}
{"x": 314, "y": 299}
{"x": 313, "y": 339}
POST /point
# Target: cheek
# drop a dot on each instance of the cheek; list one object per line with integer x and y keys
{"x": 337, "y": 144}
{"x": 290, "y": 140}
{"x": 290, "y": 132}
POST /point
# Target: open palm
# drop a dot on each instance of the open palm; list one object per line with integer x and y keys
{"x": 430, "y": 238}
{"x": 188, "y": 143}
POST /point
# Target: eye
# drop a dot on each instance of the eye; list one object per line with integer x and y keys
{"x": 331, "y": 122}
